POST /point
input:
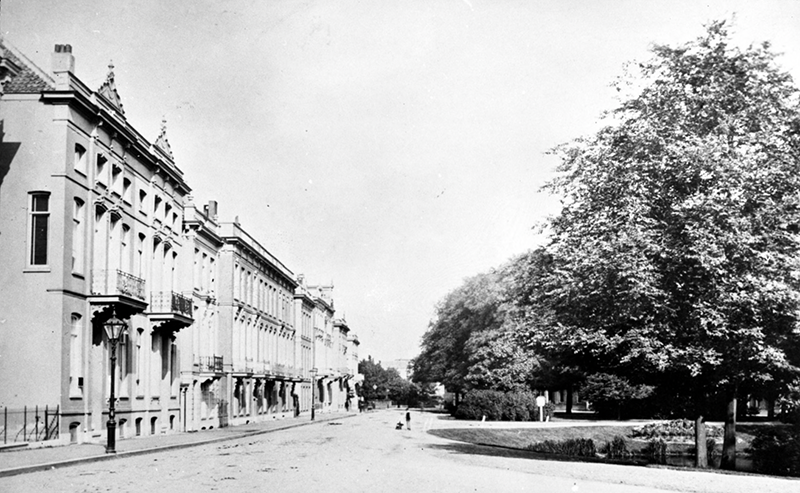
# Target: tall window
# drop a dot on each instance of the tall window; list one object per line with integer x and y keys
{"x": 156, "y": 369}
{"x": 39, "y": 217}
{"x": 157, "y": 207}
{"x": 212, "y": 284}
{"x": 76, "y": 357}
{"x": 123, "y": 350}
{"x": 125, "y": 251}
{"x": 138, "y": 269}
{"x": 101, "y": 170}
{"x": 140, "y": 362}
{"x": 80, "y": 159}
{"x": 196, "y": 279}
{"x": 126, "y": 190}
{"x": 78, "y": 236}
{"x": 116, "y": 179}
{"x": 142, "y": 201}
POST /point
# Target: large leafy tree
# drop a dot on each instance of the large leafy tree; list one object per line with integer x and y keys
{"x": 475, "y": 340}
{"x": 471, "y": 308}
{"x": 676, "y": 250}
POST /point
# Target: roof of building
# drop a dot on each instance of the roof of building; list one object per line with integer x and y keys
{"x": 30, "y": 79}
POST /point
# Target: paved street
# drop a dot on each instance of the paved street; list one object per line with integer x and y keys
{"x": 366, "y": 453}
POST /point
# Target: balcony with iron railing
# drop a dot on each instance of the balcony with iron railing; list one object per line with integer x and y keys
{"x": 170, "y": 308}
{"x": 210, "y": 364}
{"x": 170, "y": 302}
{"x": 115, "y": 282}
{"x": 116, "y": 291}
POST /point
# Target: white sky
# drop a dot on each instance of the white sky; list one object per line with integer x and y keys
{"x": 395, "y": 146}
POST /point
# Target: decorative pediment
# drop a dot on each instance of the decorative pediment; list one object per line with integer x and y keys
{"x": 162, "y": 142}
{"x": 109, "y": 90}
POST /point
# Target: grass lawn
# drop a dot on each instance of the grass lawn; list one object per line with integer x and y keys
{"x": 521, "y": 438}
{"x": 601, "y": 435}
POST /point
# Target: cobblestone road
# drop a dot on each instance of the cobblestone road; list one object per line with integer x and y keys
{"x": 365, "y": 453}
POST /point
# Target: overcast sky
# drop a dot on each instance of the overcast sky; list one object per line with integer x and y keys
{"x": 394, "y": 147}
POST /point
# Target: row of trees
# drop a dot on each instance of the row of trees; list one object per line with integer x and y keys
{"x": 386, "y": 383}
{"x": 672, "y": 267}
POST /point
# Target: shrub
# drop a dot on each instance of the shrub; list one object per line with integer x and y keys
{"x": 496, "y": 406}
{"x": 776, "y": 451}
{"x": 479, "y": 403}
{"x": 610, "y": 395}
{"x": 515, "y": 406}
{"x": 711, "y": 446}
{"x": 574, "y": 447}
{"x": 657, "y": 450}
{"x": 549, "y": 410}
{"x": 617, "y": 448}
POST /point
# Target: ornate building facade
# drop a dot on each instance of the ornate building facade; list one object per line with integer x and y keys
{"x": 97, "y": 221}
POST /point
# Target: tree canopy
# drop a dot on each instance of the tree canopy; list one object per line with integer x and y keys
{"x": 475, "y": 340}
{"x": 674, "y": 262}
{"x": 676, "y": 249}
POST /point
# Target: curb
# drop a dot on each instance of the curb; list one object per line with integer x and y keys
{"x": 131, "y": 453}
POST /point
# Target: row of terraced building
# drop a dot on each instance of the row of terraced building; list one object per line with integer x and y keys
{"x": 97, "y": 221}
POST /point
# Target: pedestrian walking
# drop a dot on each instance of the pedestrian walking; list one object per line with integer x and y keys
{"x": 408, "y": 420}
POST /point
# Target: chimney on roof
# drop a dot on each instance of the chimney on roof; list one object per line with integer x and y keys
{"x": 62, "y": 59}
{"x": 212, "y": 209}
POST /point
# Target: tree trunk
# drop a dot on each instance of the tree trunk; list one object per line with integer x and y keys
{"x": 771, "y": 408}
{"x": 728, "y": 461}
{"x": 701, "y": 459}
{"x": 569, "y": 401}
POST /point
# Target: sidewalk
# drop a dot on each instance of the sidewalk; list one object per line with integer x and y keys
{"x": 42, "y": 457}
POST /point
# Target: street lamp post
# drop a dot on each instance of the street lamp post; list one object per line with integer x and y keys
{"x": 114, "y": 328}
{"x": 313, "y": 386}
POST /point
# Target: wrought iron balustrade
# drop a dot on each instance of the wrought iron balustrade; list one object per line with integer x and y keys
{"x": 170, "y": 302}
{"x": 211, "y": 364}
{"x": 117, "y": 282}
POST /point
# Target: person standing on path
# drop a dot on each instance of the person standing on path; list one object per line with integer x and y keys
{"x": 408, "y": 420}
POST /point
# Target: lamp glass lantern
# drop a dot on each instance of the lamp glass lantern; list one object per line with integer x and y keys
{"x": 114, "y": 328}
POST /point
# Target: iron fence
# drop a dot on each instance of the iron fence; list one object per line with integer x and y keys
{"x": 211, "y": 363}
{"x": 30, "y": 424}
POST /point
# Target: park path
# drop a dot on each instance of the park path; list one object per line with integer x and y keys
{"x": 366, "y": 453}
